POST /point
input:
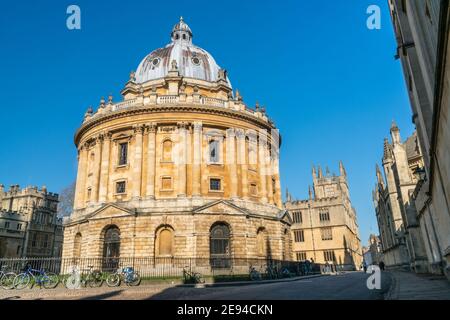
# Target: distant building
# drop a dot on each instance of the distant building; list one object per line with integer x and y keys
{"x": 29, "y": 226}
{"x": 372, "y": 253}
{"x": 422, "y": 33}
{"x": 401, "y": 239}
{"x": 325, "y": 226}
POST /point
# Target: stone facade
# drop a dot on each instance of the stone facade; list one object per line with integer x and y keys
{"x": 422, "y": 32}
{"x": 29, "y": 226}
{"x": 325, "y": 226}
{"x": 401, "y": 238}
{"x": 179, "y": 161}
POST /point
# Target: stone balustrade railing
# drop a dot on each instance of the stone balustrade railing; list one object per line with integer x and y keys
{"x": 175, "y": 99}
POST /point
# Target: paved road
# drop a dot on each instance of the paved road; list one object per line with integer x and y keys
{"x": 346, "y": 286}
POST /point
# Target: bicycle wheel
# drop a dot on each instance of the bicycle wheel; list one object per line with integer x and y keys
{"x": 21, "y": 281}
{"x": 50, "y": 280}
{"x": 135, "y": 279}
{"x": 113, "y": 280}
{"x": 73, "y": 282}
{"x": 7, "y": 281}
{"x": 95, "y": 279}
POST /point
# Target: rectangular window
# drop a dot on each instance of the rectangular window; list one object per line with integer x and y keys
{"x": 253, "y": 189}
{"x": 166, "y": 183}
{"x": 45, "y": 242}
{"x": 299, "y": 236}
{"x": 123, "y": 153}
{"x": 34, "y": 240}
{"x": 329, "y": 256}
{"x": 324, "y": 216}
{"x": 6, "y": 224}
{"x": 18, "y": 250}
{"x": 297, "y": 217}
{"x": 120, "y": 187}
{"x": 89, "y": 193}
{"x": 301, "y": 256}
{"x": 326, "y": 233}
{"x": 215, "y": 184}
{"x": 19, "y": 226}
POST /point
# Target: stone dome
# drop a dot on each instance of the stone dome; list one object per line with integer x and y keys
{"x": 191, "y": 61}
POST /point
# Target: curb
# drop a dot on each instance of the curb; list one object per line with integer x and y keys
{"x": 249, "y": 283}
{"x": 392, "y": 293}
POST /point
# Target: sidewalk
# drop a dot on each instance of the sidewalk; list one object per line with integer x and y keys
{"x": 412, "y": 286}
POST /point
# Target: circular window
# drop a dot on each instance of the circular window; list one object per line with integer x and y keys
{"x": 155, "y": 61}
{"x": 196, "y": 61}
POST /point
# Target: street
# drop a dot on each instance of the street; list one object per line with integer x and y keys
{"x": 344, "y": 286}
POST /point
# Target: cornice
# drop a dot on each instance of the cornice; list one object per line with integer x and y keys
{"x": 195, "y": 109}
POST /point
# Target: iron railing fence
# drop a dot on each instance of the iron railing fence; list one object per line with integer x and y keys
{"x": 171, "y": 267}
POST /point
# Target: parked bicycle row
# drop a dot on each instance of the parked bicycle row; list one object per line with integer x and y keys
{"x": 31, "y": 277}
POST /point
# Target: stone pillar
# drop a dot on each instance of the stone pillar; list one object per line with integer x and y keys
{"x": 276, "y": 167}
{"x": 242, "y": 161}
{"x": 96, "y": 168}
{"x": 104, "y": 174}
{"x": 269, "y": 175}
{"x": 81, "y": 176}
{"x": 262, "y": 147}
{"x": 197, "y": 158}
{"x": 182, "y": 158}
{"x": 137, "y": 163}
{"x": 151, "y": 160}
{"x": 231, "y": 162}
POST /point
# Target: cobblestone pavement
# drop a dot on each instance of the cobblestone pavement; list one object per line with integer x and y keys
{"x": 343, "y": 286}
{"x": 411, "y": 286}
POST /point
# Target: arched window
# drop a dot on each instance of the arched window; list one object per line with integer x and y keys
{"x": 214, "y": 156}
{"x": 164, "y": 240}
{"x": 167, "y": 150}
{"x": 77, "y": 246}
{"x": 111, "y": 245}
{"x": 220, "y": 241}
{"x": 261, "y": 247}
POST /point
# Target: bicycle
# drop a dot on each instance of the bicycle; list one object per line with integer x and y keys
{"x": 192, "y": 277}
{"x": 94, "y": 278}
{"x": 48, "y": 280}
{"x": 272, "y": 273}
{"x": 6, "y": 278}
{"x": 127, "y": 274}
{"x": 254, "y": 274}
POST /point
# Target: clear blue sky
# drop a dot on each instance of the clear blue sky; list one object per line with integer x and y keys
{"x": 331, "y": 85}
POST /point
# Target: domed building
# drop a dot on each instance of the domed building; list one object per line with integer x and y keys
{"x": 180, "y": 168}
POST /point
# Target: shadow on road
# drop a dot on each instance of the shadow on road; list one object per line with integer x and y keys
{"x": 102, "y": 296}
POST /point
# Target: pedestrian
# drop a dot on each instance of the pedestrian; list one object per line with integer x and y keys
{"x": 364, "y": 264}
{"x": 381, "y": 265}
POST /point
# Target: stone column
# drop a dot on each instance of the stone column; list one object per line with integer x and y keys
{"x": 137, "y": 163}
{"x": 269, "y": 175}
{"x": 151, "y": 160}
{"x": 262, "y": 146}
{"x": 242, "y": 161}
{"x": 231, "y": 162}
{"x": 182, "y": 157}
{"x": 197, "y": 159}
{"x": 104, "y": 174}
{"x": 96, "y": 168}
{"x": 81, "y": 176}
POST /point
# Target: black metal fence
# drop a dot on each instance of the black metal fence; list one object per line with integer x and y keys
{"x": 173, "y": 267}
